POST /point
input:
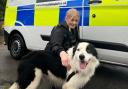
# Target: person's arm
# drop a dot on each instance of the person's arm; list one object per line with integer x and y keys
{"x": 56, "y": 42}
{"x": 57, "y": 37}
{"x": 78, "y": 34}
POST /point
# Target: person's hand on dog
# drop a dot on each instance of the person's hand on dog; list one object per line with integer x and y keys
{"x": 65, "y": 59}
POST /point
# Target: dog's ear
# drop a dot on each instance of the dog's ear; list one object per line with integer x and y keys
{"x": 91, "y": 49}
{"x": 74, "y": 49}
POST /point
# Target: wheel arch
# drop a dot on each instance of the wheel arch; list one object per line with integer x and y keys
{"x": 15, "y": 32}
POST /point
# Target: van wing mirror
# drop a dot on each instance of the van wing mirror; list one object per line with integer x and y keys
{"x": 94, "y": 1}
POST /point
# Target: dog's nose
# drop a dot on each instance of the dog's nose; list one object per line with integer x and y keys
{"x": 81, "y": 57}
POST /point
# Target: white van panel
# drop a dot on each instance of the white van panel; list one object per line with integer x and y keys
{"x": 117, "y": 34}
{"x": 113, "y": 56}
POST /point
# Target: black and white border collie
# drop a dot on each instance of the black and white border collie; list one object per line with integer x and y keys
{"x": 36, "y": 65}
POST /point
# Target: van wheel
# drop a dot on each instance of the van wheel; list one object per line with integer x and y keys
{"x": 17, "y": 46}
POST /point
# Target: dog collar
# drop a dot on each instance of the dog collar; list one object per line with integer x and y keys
{"x": 71, "y": 75}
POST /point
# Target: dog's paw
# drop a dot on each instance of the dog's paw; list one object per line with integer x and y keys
{"x": 14, "y": 86}
{"x": 66, "y": 86}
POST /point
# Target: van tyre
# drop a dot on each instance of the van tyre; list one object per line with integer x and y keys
{"x": 17, "y": 46}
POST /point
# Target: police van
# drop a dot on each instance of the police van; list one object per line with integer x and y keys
{"x": 104, "y": 23}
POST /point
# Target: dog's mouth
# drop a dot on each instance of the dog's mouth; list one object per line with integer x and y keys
{"x": 83, "y": 64}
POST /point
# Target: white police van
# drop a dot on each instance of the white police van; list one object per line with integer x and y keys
{"x": 104, "y": 23}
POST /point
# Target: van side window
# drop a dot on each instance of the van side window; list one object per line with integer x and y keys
{"x": 38, "y": 1}
{"x": 20, "y": 2}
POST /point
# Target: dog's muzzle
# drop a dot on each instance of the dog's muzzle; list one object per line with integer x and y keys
{"x": 83, "y": 63}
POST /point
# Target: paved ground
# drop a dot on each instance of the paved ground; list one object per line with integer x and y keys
{"x": 1, "y": 40}
{"x": 4, "y": 83}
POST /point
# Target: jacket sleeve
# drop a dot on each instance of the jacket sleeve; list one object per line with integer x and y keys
{"x": 77, "y": 35}
{"x": 57, "y": 37}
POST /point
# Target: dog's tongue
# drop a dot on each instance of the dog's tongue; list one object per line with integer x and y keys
{"x": 82, "y": 65}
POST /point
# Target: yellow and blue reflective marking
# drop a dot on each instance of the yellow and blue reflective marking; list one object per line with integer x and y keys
{"x": 86, "y": 13}
{"x": 38, "y": 16}
{"x": 10, "y": 16}
{"x": 73, "y": 3}
{"x": 46, "y": 16}
{"x": 107, "y": 14}
{"x": 25, "y": 15}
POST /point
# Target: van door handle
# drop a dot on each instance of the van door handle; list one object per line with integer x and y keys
{"x": 93, "y": 15}
{"x": 95, "y": 1}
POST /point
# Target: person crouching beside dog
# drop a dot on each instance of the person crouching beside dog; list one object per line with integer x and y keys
{"x": 64, "y": 36}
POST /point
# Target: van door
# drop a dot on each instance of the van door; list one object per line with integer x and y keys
{"x": 106, "y": 26}
{"x": 52, "y": 12}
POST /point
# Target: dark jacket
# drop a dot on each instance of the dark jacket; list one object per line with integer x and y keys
{"x": 61, "y": 39}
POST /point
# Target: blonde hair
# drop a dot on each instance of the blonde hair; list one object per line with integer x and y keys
{"x": 72, "y": 12}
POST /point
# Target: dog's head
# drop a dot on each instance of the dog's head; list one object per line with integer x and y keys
{"x": 81, "y": 54}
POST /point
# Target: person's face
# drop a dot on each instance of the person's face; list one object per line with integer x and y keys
{"x": 72, "y": 21}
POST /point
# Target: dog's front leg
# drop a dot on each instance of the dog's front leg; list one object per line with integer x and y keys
{"x": 68, "y": 83}
{"x": 75, "y": 82}
{"x": 35, "y": 83}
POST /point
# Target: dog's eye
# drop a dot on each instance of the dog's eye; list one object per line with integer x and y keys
{"x": 88, "y": 50}
{"x": 78, "y": 49}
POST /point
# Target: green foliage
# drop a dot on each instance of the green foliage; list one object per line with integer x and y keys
{"x": 2, "y": 7}
{"x": 2, "y": 4}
